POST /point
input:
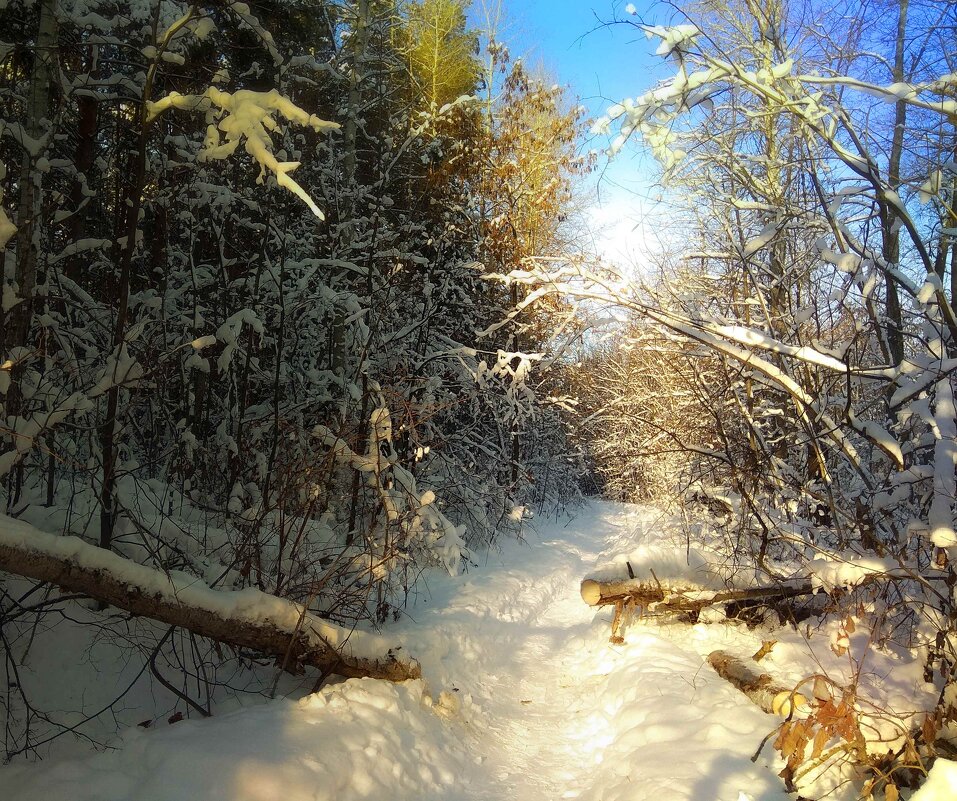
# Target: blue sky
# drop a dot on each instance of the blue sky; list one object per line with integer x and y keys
{"x": 600, "y": 64}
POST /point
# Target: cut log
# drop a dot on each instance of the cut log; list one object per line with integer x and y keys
{"x": 676, "y": 594}
{"x": 677, "y": 598}
{"x": 246, "y": 618}
{"x": 770, "y": 695}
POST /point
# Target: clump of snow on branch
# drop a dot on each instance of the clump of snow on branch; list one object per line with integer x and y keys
{"x": 247, "y": 116}
{"x": 413, "y": 511}
{"x": 121, "y": 370}
{"x": 672, "y": 38}
{"x": 833, "y": 573}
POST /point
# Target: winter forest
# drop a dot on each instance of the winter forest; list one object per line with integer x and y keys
{"x": 341, "y": 460}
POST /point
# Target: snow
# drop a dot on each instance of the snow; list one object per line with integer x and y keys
{"x": 522, "y": 697}
{"x": 754, "y": 338}
{"x": 203, "y": 342}
{"x": 80, "y": 246}
{"x": 671, "y": 38}
{"x": 941, "y": 782}
{"x": 248, "y": 116}
{"x": 691, "y": 568}
{"x": 122, "y": 370}
{"x": 365, "y": 739}
{"x": 831, "y": 574}
{"x": 761, "y": 240}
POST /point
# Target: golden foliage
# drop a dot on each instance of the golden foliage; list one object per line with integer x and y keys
{"x": 439, "y": 51}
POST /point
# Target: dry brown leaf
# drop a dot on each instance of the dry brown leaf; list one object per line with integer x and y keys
{"x": 820, "y": 740}
{"x": 821, "y": 691}
{"x": 794, "y": 742}
{"x": 929, "y": 730}
{"x": 782, "y": 734}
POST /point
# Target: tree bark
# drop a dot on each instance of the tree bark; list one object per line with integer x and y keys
{"x": 134, "y": 202}
{"x": 773, "y": 697}
{"x": 677, "y": 598}
{"x": 891, "y": 235}
{"x": 296, "y": 639}
{"x": 17, "y": 323}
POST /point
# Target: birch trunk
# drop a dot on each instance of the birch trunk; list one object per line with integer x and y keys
{"x": 17, "y": 323}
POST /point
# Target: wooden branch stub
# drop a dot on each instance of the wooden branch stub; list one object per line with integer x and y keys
{"x": 591, "y": 592}
{"x": 628, "y": 594}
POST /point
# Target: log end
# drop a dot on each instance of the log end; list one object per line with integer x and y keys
{"x": 591, "y": 592}
{"x": 787, "y": 702}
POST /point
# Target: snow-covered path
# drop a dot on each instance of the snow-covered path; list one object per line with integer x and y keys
{"x": 522, "y": 698}
{"x": 567, "y": 715}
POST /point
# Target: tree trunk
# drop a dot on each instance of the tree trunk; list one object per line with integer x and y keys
{"x": 83, "y": 207}
{"x": 17, "y": 322}
{"x": 245, "y": 619}
{"x": 773, "y": 697}
{"x": 677, "y": 598}
{"x": 134, "y": 202}
{"x": 358, "y": 45}
{"x": 891, "y": 235}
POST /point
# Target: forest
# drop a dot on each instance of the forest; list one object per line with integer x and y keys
{"x": 333, "y": 447}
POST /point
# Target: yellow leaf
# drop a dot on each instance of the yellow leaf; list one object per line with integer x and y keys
{"x": 820, "y": 740}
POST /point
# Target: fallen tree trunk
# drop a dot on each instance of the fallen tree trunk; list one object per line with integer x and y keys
{"x": 771, "y": 696}
{"x": 678, "y": 599}
{"x": 246, "y": 618}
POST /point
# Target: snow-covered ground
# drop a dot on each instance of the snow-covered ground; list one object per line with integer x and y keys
{"x": 522, "y": 698}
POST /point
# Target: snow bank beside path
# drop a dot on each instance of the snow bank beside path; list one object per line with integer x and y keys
{"x": 364, "y": 739}
{"x": 690, "y": 567}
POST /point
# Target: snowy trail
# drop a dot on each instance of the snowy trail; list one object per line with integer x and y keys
{"x": 570, "y": 716}
{"x": 522, "y": 698}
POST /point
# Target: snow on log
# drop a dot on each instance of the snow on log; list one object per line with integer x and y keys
{"x": 761, "y": 688}
{"x": 245, "y": 618}
{"x": 659, "y": 597}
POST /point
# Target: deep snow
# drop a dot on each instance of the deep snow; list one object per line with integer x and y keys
{"x": 522, "y": 697}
